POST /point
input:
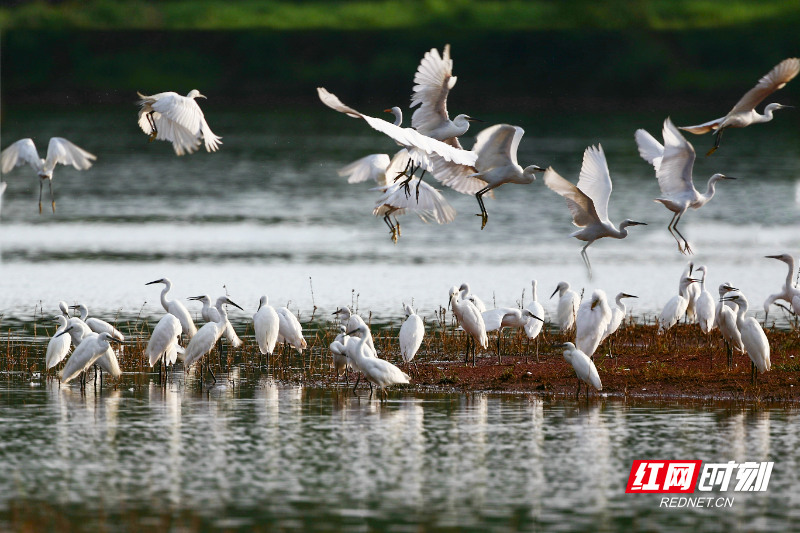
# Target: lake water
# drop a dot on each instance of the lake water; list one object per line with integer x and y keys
{"x": 268, "y": 457}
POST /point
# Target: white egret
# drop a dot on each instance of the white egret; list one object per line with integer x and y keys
{"x": 617, "y": 316}
{"x": 164, "y": 340}
{"x": 339, "y": 353}
{"x": 205, "y": 339}
{"x": 692, "y": 292}
{"x": 744, "y": 112}
{"x": 91, "y": 348}
{"x": 726, "y": 322}
{"x": 470, "y": 320}
{"x": 58, "y": 347}
{"x": 59, "y": 150}
{"x": 534, "y": 327}
{"x": 177, "y": 119}
{"x": 411, "y": 334}
{"x": 753, "y": 337}
{"x": 506, "y": 317}
{"x": 351, "y": 321}
{"x": 266, "y": 324}
{"x": 674, "y": 173}
{"x": 77, "y": 327}
{"x": 591, "y": 321}
{"x": 210, "y": 313}
{"x": 584, "y": 368}
{"x": 429, "y": 205}
{"x": 568, "y": 302}
{"x": 3, "y": 185}
{"x": 705, "y": 305}
{"x": 97, "y": 325}
{"x": 377, "y": 371}
{"x": 290, "y": 330}
{"x": 789, "y": 293}
{"x": 466, "y": 294}
{"x": 675, "y": 308}
{"x": 588, "y": 201}
{"x": 176, "y": 308}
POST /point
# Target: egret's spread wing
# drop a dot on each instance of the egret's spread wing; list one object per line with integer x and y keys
{"x": 181, "y": 110}
{"x": 431, "y": 205}
{"x": 774, "y": 80}
{"x": 20, "y": 153}
{"x": 595, "y": 180}
{"x": 453, "y": 141}
{"x": 649, "y": 148}
{"x": 712, "y": 125}
{"x": 372, "y": 167}
{"x": 675, "y": 172}
{"x": 460, "y": 178}
{"x": 334, "y": 103}
{"x": 434, "y": 79}
{"x": 496, "y": 146}
{"x": 183, "y": 141}
{"x": 580, "y": 205}
{"x": 64, "y": 152}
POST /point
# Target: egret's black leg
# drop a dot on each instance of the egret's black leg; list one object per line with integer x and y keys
{"x": 586, "y": 258}
{"x": 40, "y": 196}
{"x": 484, "y": 215}
{"x": 52, "y": 198}
{"x": 685, "y": 242}
{"x": 153, "y": 129}
{"x": 718, "y": 138}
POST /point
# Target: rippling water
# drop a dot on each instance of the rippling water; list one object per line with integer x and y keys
{"x": 267, "y": 456}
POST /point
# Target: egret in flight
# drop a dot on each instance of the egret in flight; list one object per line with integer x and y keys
{"x": 59, "y": 150}
{"x": 584, "y": 368}
{"x": 744, "y": 112}
{"x": 753, "y": 337}
{"x": 673, "y": 163}
{"x": 177, "y": 119}
{"x": 588, "y": 202}
{"x": 176, "y": 308}
{"x": 594, "y": 315}
{"x": 568, "y": 302}
{"x": 789, "y": 293}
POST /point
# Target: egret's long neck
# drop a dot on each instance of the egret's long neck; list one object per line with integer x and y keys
{"x": 710, "y": 190}
{"x": 740, "y": 314}
{"x": 398, "y": 116}
{"x": 621, "y": 306}
{"x": 164, "y": 291}
{"x": 789, "y": 281}
{"x": 535, "y": 296}
{"x": 465, "y": 292}
{"x": 766, "y": 117}
{"x": 223, "y": 317}
{"x": 683, "y": 290}
{"x": 84, "y": 312}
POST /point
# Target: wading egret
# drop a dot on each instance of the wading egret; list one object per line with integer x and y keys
{"x": 377, "y": 371}
{"x": 466, "y": 294}
{"x": 789, "y": 293}
{"x": 674, "y": 173}
{"x": 341, "y": 363}
{"x": 97, "y": 325}
{"x": 210, "y": 313}
{"x": 176, "y": 308}
{"x": 266, "y": 325}
{"x": 744, "y": 112}
{"x": 411, "y": 334}
{"x": 568, "y": 302}
{"x": 588, "y": 201}
{"x": 290, "y": 330}
{"x": 205, "y": 339}
{"x": 753, "y": 337}
{"x": 91, "y": 348}
{"x": 726, "y": 322}
{"x": 470, "y": 320}
{"x": 591, "y": 321}
{"x": 164, "y": 340}
{"x": 534, "y": 327}
{"x": 59, "y": 150}
{"x": 506, "y": 317}
{"x": 351, "y": 321}
{"x": 58, "y": 347}
{"x": 705, "y": 304}
{"x": 584, "y": 368}
{"x": 675, "y": 308}
{"x": 177, "y": 119}
{"x": 617, "y": 316}
{"x": 77, "y": 327}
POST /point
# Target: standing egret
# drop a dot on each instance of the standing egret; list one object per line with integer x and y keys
{"x": 351, "y": 321}
{"x": 675, "y": 308}
{"x": 339, "y": 353}
{"x": 411, "y": 334}
{"x": 588, "y": 201}
{"x": 726, "y": 322}
{"x": 470, "y": 320}
{"x": 506, "y": 317}
{"x": 591, "y": 321}
{"x": 692, "y": 292}
{"x": 744, "y": 112}
{"x": 266, "y": 324}
{"x": 584, "y": 368}
{"x": 377, "y": 371}
{"x": 97, "y": 325}
{"x": 210, "y": 313}
{"x": 205, "y": 339}
{"x": 617, "y": 316}
{"x": 177, "y": 119}
{"x": 59, "y": 150}
{"x": 58, "y": 347}
{"x": 77, "y": 327}
{"x": 705, "y": 305}
{"x": 789, "y": 293}
{"x": 290, "y": 330}
{"x": 534, "y": 327}
{"x": 164, "y": 340}
{"x": 568, "y": 302}
{"x": 674, "y": 173}
{"x": 176, "y": 308}
{"x": 466, "y": 294}
{"x": 91, "y": 348}
{"x": 753, "y": 338}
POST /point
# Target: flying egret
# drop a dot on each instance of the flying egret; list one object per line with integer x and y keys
{"x": 674, "y": 173}
{"x": 692, "y": 292}
{"x": 496, "y": 165}
{"x": 675, "y": 308}
{"x": 411, "y": 334}
{"x": 266, "y": 324}
{"x": 534, "y": 327}
{"x": 176, "y": 308}
{"x": 591, "y": 321}
{"x": 434, "y": 79}
{"x": 584, "y": 368}
{"x": 588, "y": 201}
{"x": 470, "y": 320}
{"x": 339, "y": 353}
{"x": 177, "y": 119}
{"x": 789, "y": 293}
{"x": 744, "y": 112}
{"x": 351, "y": 321}
{"x": 290, "y": 330}
{"x": 77, "y": 327}
{"x": 206, "y": 337}
{"x": 377, "y": 371}
{"x": 568, "y": 302}
{"x": 617, "y": 316}
{"x": 726, "y": 322}
{"x": 164, "y": 340}
{"x": 58, "y": 347}
{"x": 97, "y": 325}
{"x": 91, "y": 348}
{"x": 753, "y": 337}
{"x": 210, "y": 313}
{"x": 705, "y": 305}
{"x": 59, "y": 150}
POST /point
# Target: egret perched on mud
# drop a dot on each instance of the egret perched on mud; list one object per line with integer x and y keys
{"x": 289, "y": 329}
{"x": 692, "y": 292}
{"x": 753, "y": 338}
{"x": 207, "y": 336}
{"x": 617, "y": 316}
{"x": 726, "y": 313}
{"x": 266, "y": 325}
{"x": 377, "y": 371}
{"x": 568, "y": 302}
{"x": 91, "y": 348}
{"x": 506, "y": 317}
{"x": 177, "y": 119}
{"x": 789, "y": 293}
{"x": 59, "y": 150}
{"x": 58, "y": 347}
{"x": 411, "y": 335}
{"x": 744, "y": 112}
{"x": 534, "y": 327}
{"x": 164, "y": 341}
{"x": 470, "y": 320}
{"x": 675, "y": 308}
{"x": 705, "y": 305}
{"x": 673, "y": 163}
{"x": 588, "y": 201}
{"x": 97, "y": 325}
{"x": 594, "y": 315}
{"x": 584, "y": 368}
{"x": 210, "y": 313}
{"x": 176, "y": 308}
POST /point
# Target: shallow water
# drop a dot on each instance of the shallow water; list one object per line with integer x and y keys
{"x": 268, "y": 456}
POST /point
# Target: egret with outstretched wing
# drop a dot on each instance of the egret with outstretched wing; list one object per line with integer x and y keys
{"x": 178, "y": 119}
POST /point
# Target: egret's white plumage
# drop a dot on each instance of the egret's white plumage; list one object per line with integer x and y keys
{"x": 704, "y": 304}
{"x": 3, "y": 185}
{"x": 58, "y": 347}
{"x": 692, "y": 292}
{"x": 675, "y": 308}
{"x": 534, "y": 327}
{"x": 753, "y": 337}
{"x": 726, "y": 313}
{"x": 591, "y": 321}
{"x": 466, "y": 294}
{"x": 176, "y": 308}
{"x": 584, "y": 368}
{"x": 617, "y": 315}
{"x": 97, "y": 325}
{"x": 506, "y": 317}
{"x": 164, "y": 340}
{"x": 210, "y": 313}
{"x": 351, "y": 322}
{"x": 568, "y": 302}
{"x": 266, "y": 324}
{"x": 338, "y": 348}
{"x": 377, "y": 371}
{"x": 178, "y": 119}
{"x": 411, "y": 334}
{"x": 789, "y": 293}
{"x": 77, "y": 328}
{"x": 206, "y": 337}
{"x": 290, "y": 330}
{"x": 91, "y": 348}
{"x": 470, "y": 319}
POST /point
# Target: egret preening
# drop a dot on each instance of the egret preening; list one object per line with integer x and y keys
{"x": 617, "y": 316}
{"x": 266, "y": 324}
{"x": 588, "y": 201}
{"x": 339, "y": 353}
{"x": 176, "y": 308}
{"x": 290, "y": 330}
{"x": 210, "y": 313}
{"x": 744, "y": 112}
{"x": 506, "y": 317}
{"x": 594, "y": 315}
{"x": 584, "y": 368}
{"x": 568, "y": 302}
{"x": 177, "y": 119}
{"x": 726, "y": 312}
{"x": 470, "y": 320}
{"x": 673, "y": 163}
{"x": 206, "y": 337}
{"x": 377, "y": 371}
{"x": 58, "y": 347}
{"x": 77, "y": 328}
{"x": 789, "y": 293}
{"x": 411, "y": 334}
{"x": 164, "y": 340}
{"x": 705, "y": 305}
{"x": 466, "y": 294}
{"x": 675, "y": 308}
{"x": 534, "y": 327}
{"x": 59, "y": 150}
{"x": 753, "y": 337}
{"x": 91, "y": 348}
{"x": 97, "y": 325}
